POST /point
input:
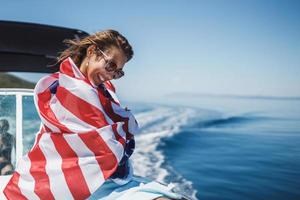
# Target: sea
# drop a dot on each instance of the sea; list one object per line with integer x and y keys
{"x": 211, "y": 148}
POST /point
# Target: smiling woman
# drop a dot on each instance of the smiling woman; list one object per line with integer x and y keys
{"x": 100, "y": 57}
{"x": 86, "y": 136}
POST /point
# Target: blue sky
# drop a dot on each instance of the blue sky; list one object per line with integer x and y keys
{"x": 246, "y": 47}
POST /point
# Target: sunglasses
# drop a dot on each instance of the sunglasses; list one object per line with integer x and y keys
{"x": 110, "y": 66}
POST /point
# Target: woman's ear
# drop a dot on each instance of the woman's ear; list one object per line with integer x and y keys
{"x": 90, "y": 50}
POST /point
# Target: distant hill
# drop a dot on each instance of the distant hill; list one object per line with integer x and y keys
{"x": 11, "y": 81}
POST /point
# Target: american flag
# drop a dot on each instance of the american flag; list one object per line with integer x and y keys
{"x": 81, "y": 141}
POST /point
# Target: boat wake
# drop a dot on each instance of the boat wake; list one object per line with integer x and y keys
{"x": 148, "y": 160}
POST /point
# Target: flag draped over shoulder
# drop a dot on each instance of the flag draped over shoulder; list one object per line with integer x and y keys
{"x": 81, "y": 141}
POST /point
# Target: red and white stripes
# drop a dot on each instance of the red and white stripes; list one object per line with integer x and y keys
{"x": 80, "y": 143}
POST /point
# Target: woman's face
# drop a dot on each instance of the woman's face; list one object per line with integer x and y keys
{"x": 96, "y": 70}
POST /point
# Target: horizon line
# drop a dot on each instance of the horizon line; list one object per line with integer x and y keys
{"x": 238, "y": 96}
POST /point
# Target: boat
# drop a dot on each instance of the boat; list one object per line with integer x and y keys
{"x": 30, "y": 47}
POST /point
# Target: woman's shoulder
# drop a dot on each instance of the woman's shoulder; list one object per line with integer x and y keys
{"x": 45, "y": 82}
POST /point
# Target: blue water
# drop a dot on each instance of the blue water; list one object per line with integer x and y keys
{"x": 244, "y": 165}
{"x": 246, "y": 149}
{"x": 215, "y": 148}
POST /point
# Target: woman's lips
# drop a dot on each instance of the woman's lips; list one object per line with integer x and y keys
{"x": 102, "y": 78}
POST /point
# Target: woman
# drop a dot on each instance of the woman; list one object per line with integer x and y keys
{"x": 86, "y": 136}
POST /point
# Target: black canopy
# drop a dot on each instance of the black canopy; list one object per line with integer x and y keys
{"x": 28, "y": 47}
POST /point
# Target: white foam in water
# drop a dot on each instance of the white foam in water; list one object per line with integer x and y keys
{"x": 148, "y": 161}
{"x": 156, "y": 114}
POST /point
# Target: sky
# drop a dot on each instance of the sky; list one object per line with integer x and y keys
{"x": 245, "y": 47}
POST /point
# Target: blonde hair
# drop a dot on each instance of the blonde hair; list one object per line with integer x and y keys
{"x": 102, "y": 39}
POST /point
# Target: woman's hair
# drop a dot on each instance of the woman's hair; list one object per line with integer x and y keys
{"x": 102, "y": 39}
